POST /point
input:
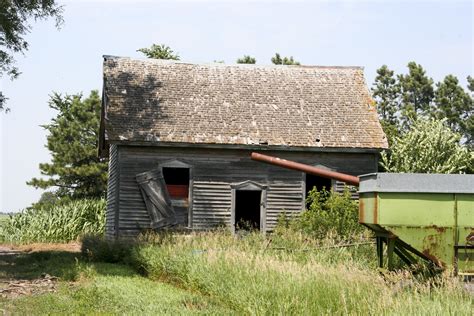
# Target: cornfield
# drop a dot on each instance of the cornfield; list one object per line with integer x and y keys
{"x": 60, "y": 223}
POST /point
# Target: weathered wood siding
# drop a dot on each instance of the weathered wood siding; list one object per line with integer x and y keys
{"x": 211, "y": 204}
{"x": 285, "y": 197}
{"x": 214, "y": 170}
{"x": 112, "y": 193}
{"x": 339, "y": 187}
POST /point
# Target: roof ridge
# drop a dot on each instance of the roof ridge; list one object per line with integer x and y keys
{"x": 170, "y": 61}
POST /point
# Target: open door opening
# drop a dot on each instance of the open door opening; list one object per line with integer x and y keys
{"x": 247, "y": 209}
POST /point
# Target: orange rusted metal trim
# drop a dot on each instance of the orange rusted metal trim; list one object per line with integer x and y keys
{"x": 306, "y": 168}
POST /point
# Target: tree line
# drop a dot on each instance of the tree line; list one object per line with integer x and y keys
{"x": 402, "y": 99}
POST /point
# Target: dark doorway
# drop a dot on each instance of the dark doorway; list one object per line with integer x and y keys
{"x": 318, "y": 182}
{"x": 247, "y": 209}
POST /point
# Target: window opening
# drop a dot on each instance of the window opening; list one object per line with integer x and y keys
{"x": 318, "y": 182}
{"x": 177, "y": 182}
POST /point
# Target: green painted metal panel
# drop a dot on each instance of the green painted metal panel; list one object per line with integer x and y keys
{"x": 465, "y": 210}
{"x": 435, "y": 243}
{"x": 416, "y": 209}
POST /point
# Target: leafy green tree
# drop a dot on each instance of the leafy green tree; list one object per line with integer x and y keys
{"x": 246, "y": 60}
{"x": 430, "y": 146}
{"x": 416, "y": 93}
{"x": 75, "y": 171}
{"x": 455, "y": 105}
{"x": 277, "y": 60}
{"x": 14, "y": 25}
{"x": 160, "y": 51}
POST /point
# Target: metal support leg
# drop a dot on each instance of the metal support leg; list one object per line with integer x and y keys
{"x": 390, "y": 247}
{"x": 379, "y": 243}
{"x": 404, "y": 254}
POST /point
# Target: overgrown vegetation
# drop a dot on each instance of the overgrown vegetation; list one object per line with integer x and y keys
{"x": 329, "y": 214}
{"x": 60, "y": 223}
{"x": 290, "y": 273}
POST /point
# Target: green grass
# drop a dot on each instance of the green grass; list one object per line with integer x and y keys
{"x": 216, "y": 273}
{"x": 253, "y": 277}
{"x": 102, "y": 288}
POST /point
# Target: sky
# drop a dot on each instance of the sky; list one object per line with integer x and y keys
{"x": 436, "y": 34}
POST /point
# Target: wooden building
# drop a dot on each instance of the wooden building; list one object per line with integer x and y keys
{"x": 179, "y": 138}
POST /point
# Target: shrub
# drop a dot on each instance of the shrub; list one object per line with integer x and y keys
{"x": 330, "y": 213}
{"x": 60, "y": 223}
{"x": 97, "y": 248}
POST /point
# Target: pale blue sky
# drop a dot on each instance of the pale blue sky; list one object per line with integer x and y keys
{"x": 436, "y": 34}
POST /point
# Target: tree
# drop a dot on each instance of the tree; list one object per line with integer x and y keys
{"x": 386, "y": 92}
{"x": 416, "y": 93}
{"x": 160, "y": 51}
{"x": 430, "y": 146}
{"x": 14, "y": 25}
{"x": 277, "y": 60}
{"x": 246, "y": 60}
{"x": 454, "y": 104}
{"x": 469, "y": 124}
{"x": 470, "y": 84}
{"x": 75, "y": 169}
{"x": 47, "y": 200}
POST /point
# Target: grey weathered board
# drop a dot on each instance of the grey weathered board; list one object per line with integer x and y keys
{"x": 213, "y": 172}
{"x": 112, "y": 193}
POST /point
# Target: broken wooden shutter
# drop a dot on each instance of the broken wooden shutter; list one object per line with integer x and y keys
{"x": 155, "y": 194}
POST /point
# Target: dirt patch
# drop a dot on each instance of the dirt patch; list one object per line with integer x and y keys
{"x": 7, "y": 251}
{"x": 16, "y": 288}
{"x": 36, "y": 247}
{"x": 12, "y": 287}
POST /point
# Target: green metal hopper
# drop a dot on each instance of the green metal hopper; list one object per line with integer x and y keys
{"x": 426, "y": 215}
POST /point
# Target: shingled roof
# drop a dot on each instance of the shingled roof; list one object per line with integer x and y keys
{"x": 160, "y": 101}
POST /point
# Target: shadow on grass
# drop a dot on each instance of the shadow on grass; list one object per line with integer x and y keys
{"x": 62, "y": 264}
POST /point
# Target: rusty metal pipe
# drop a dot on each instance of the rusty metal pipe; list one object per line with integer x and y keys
{"x": 306, "y": 168}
